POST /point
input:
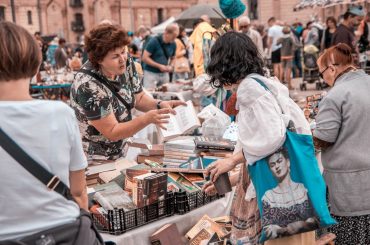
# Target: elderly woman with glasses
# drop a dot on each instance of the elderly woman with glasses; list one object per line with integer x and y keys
{"x": 343, "y": 133}
{"x": 105, "y": 91}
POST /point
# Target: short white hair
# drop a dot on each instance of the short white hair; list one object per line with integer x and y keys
{"x": 244, "y": 19}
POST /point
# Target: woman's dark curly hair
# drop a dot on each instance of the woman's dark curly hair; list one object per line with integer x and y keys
{"x": 102, "y": 39}
{"x": 233, "y": 57}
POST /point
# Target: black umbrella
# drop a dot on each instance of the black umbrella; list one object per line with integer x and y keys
{"x": 188, "y": 17}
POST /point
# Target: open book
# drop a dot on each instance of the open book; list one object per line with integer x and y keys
{"x": 184, "y": 121}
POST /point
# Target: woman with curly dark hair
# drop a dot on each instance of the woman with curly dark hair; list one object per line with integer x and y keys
{"x": 236, "y": 64}
{"x": 105, "y": 91}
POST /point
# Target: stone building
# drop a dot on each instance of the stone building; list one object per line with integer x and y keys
{"x": 71, "y": 18}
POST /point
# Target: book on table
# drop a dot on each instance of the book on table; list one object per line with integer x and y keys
{"x": 149, "y": 188}
{"x": 214, "y": 143}
{"x": 166, "y": 235}
{"x": 111, "y": 196}
{"x": 185, "y": 121}
{"x": 209, "y": 225}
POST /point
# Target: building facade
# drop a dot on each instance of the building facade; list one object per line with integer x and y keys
{"x": 71, "y": 18}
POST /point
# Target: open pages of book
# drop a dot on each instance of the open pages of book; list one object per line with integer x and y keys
{"x": 183, "y": 122}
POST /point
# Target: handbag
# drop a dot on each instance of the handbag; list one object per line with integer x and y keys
{"x": 182, "y": 65}
{"x": 291, "y": 192}
{"x": 82, "y": 231}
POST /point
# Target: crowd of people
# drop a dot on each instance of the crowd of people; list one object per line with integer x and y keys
{"x": 113, "y": 68}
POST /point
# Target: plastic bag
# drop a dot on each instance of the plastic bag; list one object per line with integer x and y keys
{"x": 215, "y": 121}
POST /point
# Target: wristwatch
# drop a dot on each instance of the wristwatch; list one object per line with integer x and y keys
{"x": 159, "y": 104}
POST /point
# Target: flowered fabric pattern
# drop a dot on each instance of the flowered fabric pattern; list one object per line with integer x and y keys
{"x": 91, "y": 100}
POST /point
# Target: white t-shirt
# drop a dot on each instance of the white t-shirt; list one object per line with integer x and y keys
{"x": 48, "y": 132}
{"x": 275, "y": 32}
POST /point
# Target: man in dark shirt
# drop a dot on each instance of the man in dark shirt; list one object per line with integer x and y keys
{"x": 157, "y": 56}
{"x": 345, "y": 32}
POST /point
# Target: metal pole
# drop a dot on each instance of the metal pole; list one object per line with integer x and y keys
{"x": 131, "y": 15}
{"x": 39, "y": 14}
{"x": 119, "y": 12}
{"x": 12, "y": 6}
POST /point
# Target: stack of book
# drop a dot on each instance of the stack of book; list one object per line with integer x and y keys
{"x": 178, "y": 151}
{"x": 93, "y": 172}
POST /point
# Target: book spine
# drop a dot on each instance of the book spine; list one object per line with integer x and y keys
{"x": 214, "y": 147}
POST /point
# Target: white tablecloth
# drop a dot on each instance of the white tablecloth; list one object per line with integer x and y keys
{"x": 184, "y": 222}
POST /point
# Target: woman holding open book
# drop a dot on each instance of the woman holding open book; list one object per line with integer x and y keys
{"x": 105, "y": 91}
{"x": 235, "y": 63}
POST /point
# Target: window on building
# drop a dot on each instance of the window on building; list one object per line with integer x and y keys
{"x": 253, "y": 9}
{"x": 79, "y": 19}
{"x": 29, "y": 17}
{"x": 160, "y": 15}
{"x": 76, "y": 3}
{"x": 2, "y": 13}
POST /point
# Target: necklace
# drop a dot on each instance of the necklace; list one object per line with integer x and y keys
{"x": 351, "y": 68}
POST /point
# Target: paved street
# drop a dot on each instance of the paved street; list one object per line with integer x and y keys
{"x": 300, "y": 96}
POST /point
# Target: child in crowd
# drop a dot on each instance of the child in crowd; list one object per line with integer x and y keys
{"x": 288, "y": 46}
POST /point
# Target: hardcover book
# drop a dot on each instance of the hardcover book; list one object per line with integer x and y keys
{"x": 166, "y": 235}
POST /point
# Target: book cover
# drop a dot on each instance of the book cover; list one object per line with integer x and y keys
{"x": 203, "y": 236}
{"x": 131, "y": 173}
{"x": 149, "y": 188}
{"x": 138, "y": 196}
{"x": 183, "y": 183}
{"x": 111, "y": 196}
{"x": 184, "y": 121}
{"x": 206, "y": 223}
{"x": 167, "y": 235}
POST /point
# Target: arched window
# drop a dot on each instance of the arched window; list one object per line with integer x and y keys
{"x": 29, "y": 17}
{"x": 160, "y": 15}
{"x": 2, "y": 13}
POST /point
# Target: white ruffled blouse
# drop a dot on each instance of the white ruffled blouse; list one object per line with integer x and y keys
{"x": 262, "y": 126}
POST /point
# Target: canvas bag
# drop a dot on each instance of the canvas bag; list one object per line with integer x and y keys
{"x": 297, "y": 204}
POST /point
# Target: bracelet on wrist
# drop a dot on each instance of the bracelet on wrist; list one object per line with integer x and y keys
{"x": 159, "y": 104}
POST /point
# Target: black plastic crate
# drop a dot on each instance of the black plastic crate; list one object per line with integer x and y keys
{"x": 185, "y": 202}
{"x": 118, "y": 221}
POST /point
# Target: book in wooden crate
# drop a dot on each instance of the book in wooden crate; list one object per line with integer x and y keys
{"x": 166, "y": 235}
{"x": 183, "y": 122}
{"x": 206, "y": 223}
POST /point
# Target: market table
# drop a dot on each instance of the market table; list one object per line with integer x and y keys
{"x": 140, "y": 235}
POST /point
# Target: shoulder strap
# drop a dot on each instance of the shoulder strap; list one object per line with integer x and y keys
{"x": 163, "y": 49}
{"x": 110, "y": 87}
{"x": 51, "y": 181}
{"x": 261, "y": 83}
{"x": 291, "y": 125}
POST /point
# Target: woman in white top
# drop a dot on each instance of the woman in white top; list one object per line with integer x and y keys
{"x": 262, "y": 127}
{"x": 48, "y": 132}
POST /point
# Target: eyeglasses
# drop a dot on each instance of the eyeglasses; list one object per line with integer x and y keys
{"x": 243, "y": 27}
{"x": 321, "y": 74}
